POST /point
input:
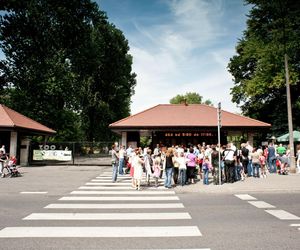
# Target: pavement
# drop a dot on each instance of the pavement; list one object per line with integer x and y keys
{"x": 273, "y": 182}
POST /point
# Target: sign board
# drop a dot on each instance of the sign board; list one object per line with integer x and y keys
{"x": 56, "y": 155}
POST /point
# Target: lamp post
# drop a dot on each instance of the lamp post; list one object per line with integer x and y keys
{"x": 290, "y": 120}
{"x": 219, "y": 140}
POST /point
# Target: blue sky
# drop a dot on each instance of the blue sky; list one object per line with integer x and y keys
{"x": 179, "y": 46}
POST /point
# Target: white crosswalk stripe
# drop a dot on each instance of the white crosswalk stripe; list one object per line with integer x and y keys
{"x": 115, "y": 205}
{"x": 145, "y": 192}
{"x": 164, "y": 206}
{"x": 119, "y": 198}
{"x": 109, "y": 177}
{"x": 261, "y": 204}
{"x": 116, "y": 232}
{"x": 106, "y": 187}
{"x": 110, "y": 181}
{"x": 106, "y": 184}
{"x": 34, "y": 192}
{"x": 245, "y": 197}
{"x": 295, "y": 225}
{"x": 279, "y": 214}
{"x": 108, "y": 216}
{"x": 116, "y": 188}
{"x": 283, "y": 215}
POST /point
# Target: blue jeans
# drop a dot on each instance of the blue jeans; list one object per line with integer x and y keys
{"x": 250, "y": 168}
{"x": 114, "y": 171}
{"x": 182, "y": 176}
{"x": 272, "y": 164}
{"x": 237, "y": 173}
{"x": 121, "y": 165}
{"x": 256, "y": 168}
{"x": 205, "y": 179}
{"x": 168, "y": 177}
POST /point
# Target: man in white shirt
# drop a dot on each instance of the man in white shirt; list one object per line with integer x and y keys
{"x": 229, "y": 157}
{"x": 121, "y": 159}
{"x": 156, "y": 151}
{"x": 129, "y": 151}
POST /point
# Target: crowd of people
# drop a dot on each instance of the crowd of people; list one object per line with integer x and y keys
{"x": 180, "y": 165}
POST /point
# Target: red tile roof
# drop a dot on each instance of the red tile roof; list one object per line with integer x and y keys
{"x": 181, "y": 115}
{"x": 12, "y": 119}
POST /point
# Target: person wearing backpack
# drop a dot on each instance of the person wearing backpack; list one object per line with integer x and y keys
{"x": 169, "y": 167}
{"x": 229, "y": 157}
{"x": 244, "y": 157}
{"x": 114, "y": 162}
{"x": 272, "y": 158}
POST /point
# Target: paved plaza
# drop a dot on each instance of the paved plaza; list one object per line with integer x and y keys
{"x": 78, "y": 207}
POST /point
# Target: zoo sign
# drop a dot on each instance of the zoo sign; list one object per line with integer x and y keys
{"x": 46, "y": 152}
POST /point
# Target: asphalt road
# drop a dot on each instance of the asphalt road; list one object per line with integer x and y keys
{"x": 224, "y": 220}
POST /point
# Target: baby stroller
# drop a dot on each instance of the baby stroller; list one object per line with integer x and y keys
{"x": 11, "y": 168}
{"x": 283, "y": 165}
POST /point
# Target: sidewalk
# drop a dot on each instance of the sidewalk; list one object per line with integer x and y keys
{"x": 34, "y": 176}
{"x": 273, "y": 183}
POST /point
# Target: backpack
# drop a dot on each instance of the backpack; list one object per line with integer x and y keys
{"x": 150, "y": 161}
{"x": 245, "y": 153}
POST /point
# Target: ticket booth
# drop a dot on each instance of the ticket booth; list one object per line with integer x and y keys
{"x": 16, "y": 131}
{"x": 183, "y": 124}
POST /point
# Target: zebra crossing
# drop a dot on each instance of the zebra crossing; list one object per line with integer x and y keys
{"x": 295, "y": 225}
{"x": 109, "y": 201}
{"x": 270, "y": 209}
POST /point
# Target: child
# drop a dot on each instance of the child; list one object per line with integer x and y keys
{"x": 206, "y": 167}
{"x": 131, "y": 173}
{"x": 182, "y": 168}
{"x": 156, "y": 170}
{"x": 262, "y": 160}
{"x": 12, "y": 161}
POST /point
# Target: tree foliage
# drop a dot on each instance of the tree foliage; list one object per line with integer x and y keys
{"x": 258, "y": 68}
{"x": 189, "y": 98}
{"x": 65, "y": 66}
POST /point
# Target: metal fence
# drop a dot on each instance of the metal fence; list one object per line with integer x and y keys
{"x": 70, "y": 153}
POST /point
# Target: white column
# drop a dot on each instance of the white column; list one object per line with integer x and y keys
{"x": 24, "y": 152}
{"x": 13, "y": 143}
{"x": 124, "y": 139}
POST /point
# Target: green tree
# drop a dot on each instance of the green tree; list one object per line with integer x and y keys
{"x": 66, "y": 66}
{"x": 258, "y": 68}
{"x": 190, "y": 98}
{"x": 106, "y": 96}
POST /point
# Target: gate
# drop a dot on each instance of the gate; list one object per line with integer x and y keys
{"x": 70, "y": 153}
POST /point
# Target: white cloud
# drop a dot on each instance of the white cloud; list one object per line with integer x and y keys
{"x": 181, "y": 56}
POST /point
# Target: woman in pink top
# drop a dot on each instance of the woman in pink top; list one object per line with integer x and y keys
{"x": 156, "y": 169}
{"x": 191, "y": 165}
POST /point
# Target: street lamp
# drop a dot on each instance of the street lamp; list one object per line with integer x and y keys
{"x": 290, "y": 120}
{"x": 219, "y": 117}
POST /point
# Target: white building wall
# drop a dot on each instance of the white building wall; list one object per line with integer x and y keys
{"x": 13, "y": 143}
